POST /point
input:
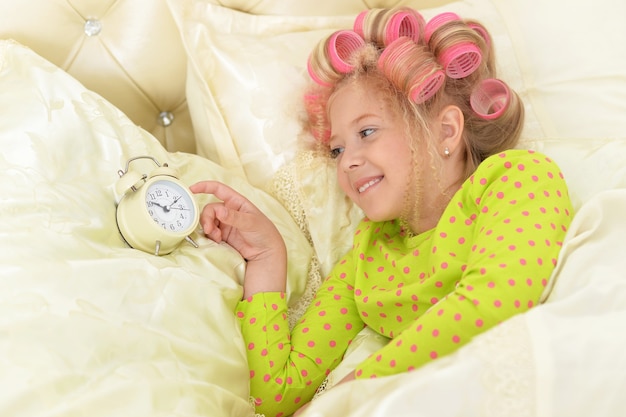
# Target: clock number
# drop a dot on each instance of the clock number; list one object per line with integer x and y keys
{"x": 168, "y": 206}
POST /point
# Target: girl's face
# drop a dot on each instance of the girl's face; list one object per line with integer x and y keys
{"x": 375, "y": 165}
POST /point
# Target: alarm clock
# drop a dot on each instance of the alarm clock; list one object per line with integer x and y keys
{"x": 156, "y": 212}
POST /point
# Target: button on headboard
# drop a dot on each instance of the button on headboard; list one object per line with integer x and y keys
{"x": 128, "y": 51}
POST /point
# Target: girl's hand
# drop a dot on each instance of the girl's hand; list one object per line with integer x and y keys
{"x": 238, "y": 222}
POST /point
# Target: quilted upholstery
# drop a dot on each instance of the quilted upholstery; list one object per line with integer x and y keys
{"x": 128, "y": 51}
{"x": 131, "y": 53}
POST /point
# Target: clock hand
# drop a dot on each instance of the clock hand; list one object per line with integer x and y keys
{"x": 169, "y": 206}
{"x": 165, "y": 208}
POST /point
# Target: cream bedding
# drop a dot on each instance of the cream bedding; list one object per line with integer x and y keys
{"x": 91, "y": 327}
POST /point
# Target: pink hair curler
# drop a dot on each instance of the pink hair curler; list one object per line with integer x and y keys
{"x": 403, "y": 65}
{"x": 482, "y": 32}
{"x": 461, "y": 60}
{"x": 314, "y": 76}
{"x": 436, "y": 22}
{"x": 358, "y": 23}
{"x": 490, "y": 99}
{"x": 427, "y": 88}
{"x": 340, "y": 46}
{"x": 404, "y": 23}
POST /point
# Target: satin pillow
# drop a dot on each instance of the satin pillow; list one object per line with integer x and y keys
{"x": 572, "y": 61}
{"x": 247, "y": 74}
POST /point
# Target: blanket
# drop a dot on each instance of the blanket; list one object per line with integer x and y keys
{"x": 89, "y": 326}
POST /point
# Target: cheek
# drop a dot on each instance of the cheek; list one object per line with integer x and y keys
{"x": 342, "y": 179}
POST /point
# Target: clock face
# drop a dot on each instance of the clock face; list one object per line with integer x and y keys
{"x": 170, "y": 205}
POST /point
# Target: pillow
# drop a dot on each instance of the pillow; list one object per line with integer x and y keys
{"x": 246, "y": 77}
{"x": 572, "y": 64}
{"x": 91, "y": 326}
{"x": 572, "y": 61}
{"x": 247, "y": 73}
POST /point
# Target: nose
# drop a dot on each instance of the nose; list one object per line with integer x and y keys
{"x": 351, "y": 158}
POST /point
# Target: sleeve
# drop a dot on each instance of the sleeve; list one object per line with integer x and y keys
{"x": 520, "y": 210}
{"x": 287, "y": 367}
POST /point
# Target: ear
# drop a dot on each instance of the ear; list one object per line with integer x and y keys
{"x": 451, "y": 124}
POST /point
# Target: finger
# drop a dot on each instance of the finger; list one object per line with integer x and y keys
{"x": 216, "y": 188}
{"x": 210, "y": 223}
{"x": 228, "y": 195}
{"x": 206, "y": 187}
{"x": 215, "y": 233}
{"x": 236, "y": 219}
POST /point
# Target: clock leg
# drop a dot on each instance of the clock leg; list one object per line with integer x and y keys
{"x": 190, "y": 240}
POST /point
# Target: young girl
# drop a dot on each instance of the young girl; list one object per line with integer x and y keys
{"x": 461, "y": 232}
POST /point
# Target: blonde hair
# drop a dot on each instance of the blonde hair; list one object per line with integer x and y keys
{"x": 421, "y": 67}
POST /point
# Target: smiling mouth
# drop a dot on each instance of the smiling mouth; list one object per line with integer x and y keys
{"x": 367, "y": 185}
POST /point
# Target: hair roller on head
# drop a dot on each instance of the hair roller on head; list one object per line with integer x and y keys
{"x": 367, "y": 25}
{"x": 332, "y": 56}
{"x": 383, "y": 26}
{"x": 437, "y": 21}
{"x": 424, "y": 90}
{"x": 340, "y": 46}
{"x": 358, "y": 23}
{"x": 407, "y": 23}
{"x": 314, "y": 103}
{"x": 461, "y": 60}
{"x": 490, "y": 98}
{"x": 313, "y": 74}
{"x": 482, "y": 31}
{"x": 319, "y": 67}
{"x": 412, "y": 69}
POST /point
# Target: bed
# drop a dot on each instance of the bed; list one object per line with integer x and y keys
{"x": 90, "y": 326}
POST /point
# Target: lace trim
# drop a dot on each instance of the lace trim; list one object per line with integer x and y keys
{"x": 327, "y": 384}
{"x": 284, "y": 188}
{"x": 252, "y": 402}
{"x": 509, "y": 372}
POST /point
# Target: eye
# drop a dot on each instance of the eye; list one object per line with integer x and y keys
{"x": 335, "y": 152}
{"x": 367, "y": 132}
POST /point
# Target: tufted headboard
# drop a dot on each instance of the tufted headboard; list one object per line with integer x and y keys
{"x": 128, "y": 51}
{"x": 131, "y": 52}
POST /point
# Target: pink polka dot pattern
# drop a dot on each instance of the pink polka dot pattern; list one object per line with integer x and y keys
{"x": 489, "y": 258}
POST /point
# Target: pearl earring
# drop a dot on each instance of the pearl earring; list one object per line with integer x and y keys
{"x": 446, "y": 152}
